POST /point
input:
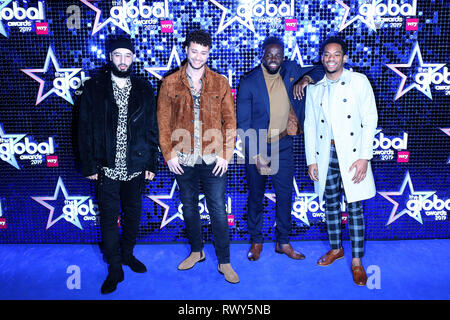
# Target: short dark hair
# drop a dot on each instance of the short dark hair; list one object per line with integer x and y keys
{"x": 334, "y": 40}
{"x": 272, "y": 40}
{"x": 199, "y": 36}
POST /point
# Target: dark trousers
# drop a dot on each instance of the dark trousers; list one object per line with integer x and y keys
{"x": 214, "y": 188}
{"x": 113, "y": 197}
{"x": 282, "y": 182}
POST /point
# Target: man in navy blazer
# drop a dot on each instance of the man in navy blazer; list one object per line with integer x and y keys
{"x": 270, "y": 111}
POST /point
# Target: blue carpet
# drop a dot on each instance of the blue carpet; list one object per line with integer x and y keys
{"x": 413, "y": 269}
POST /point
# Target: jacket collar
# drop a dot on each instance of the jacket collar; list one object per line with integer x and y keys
{"x": 345, "y": 77}
{"x": 206, "y": 75}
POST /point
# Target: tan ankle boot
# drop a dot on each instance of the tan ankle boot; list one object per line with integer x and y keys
{"x": 190, "y": 261}
{"x": 230, "y": 275}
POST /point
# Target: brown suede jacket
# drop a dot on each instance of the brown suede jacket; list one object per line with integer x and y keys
{"x": 176, "y": 115}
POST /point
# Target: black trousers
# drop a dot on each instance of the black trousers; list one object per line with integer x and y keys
{"x": 113, "y": 197}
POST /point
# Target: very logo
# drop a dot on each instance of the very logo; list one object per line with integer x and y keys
{"x": 19, "y": 13}
{"x": 391, "y": 8}
{"x": 158, "y": 10}
{"x": 166, "y": 26}
{"x": 261, "y": 7}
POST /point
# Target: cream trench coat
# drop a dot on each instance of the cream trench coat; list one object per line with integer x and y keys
{"x": 353, "y": 118}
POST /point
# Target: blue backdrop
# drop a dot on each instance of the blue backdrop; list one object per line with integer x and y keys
{"x": 49, "y": 48}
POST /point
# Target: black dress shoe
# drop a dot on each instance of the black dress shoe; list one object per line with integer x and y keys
{"x": 134, "y": 264}
{"x": 115, "y": 275}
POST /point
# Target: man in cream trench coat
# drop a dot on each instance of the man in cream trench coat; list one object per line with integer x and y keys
{"x": 340, "y": 123}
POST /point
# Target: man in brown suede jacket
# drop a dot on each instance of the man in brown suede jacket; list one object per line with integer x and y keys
{"x": 197, "y": 134}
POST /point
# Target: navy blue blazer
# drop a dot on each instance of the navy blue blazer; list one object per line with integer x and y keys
{"x": 253, "y": 104}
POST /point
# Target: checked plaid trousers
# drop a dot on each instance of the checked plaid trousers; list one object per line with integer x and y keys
{"x": 332, "y": 195}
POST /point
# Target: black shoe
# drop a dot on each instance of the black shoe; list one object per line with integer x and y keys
{"x": 134, "y": 264}
{"x": 115, "y": 275}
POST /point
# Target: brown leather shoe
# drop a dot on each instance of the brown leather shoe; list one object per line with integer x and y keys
{"x": 289, "y": 251}
{"x": 255, "y": 251}
{"x": 359, "y": 275}
{"x": 329, "y": 257}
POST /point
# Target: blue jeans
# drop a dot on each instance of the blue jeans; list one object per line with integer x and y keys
{"x": 214, "y": 188}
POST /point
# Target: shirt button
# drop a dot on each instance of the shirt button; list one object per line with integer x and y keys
{"x": 322, "y": 121}
{"x": 320, "y": 137}
{"x": 349, "y": 116}
{"x": 345, "y": 100}
{"x": 342, "y": 82}
{"x": 354, "y": 150}
{"x": 351, "y": 133}
{"x": 317, "y": 152}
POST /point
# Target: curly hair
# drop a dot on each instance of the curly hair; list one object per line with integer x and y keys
{"x": 198, "y": 36}
{"x": 336, "y": 40}
{"x": 272, "y": 40}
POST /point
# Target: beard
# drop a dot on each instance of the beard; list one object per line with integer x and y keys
{"x": 193, "y": 67}
{"x": 119, "y": 73}
{"x": 272, "y": 71}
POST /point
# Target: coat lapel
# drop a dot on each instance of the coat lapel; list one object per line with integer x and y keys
{"x": 262, "y": 88}
{"x": 133, "y": 100}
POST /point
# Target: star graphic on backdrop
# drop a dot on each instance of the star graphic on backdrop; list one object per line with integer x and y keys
{"x": 368, "y": 20}
{"x": 425, "y": 88}
{"x": 246, "y": 22}
{"x": 157, "y": 198}
{"x": 297, "y": 55}
{"x": 77, "y": 201}
{"x": 3, "y": 4}
{"x": 10, "y": 158}
{"x": 69, "y": 73}
{"x": 447, "y": 132}
{"x": 121, "y": 23}
{"x": 173, "y": 55}
{"x": 303, "y": 197}
{"x": 415, "y": 214}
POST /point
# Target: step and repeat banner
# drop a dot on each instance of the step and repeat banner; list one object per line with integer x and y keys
{"x": 50, "y": 48}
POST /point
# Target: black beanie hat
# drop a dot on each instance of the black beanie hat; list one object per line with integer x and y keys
{"x": 120, "y": 42}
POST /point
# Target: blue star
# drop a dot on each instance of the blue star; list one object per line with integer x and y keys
{"x": 368, "y": 20}
{"x": 431, "y": 67}
{"x": 246, "y": 22}
{"x": 413, "y": 195}
{"x": 75, "y": 202}
{"x": 62, "y": 92}
{"x": 173, "y": 55}
{"x": 121, "y": 23}
{"x": 157, "y": 198}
